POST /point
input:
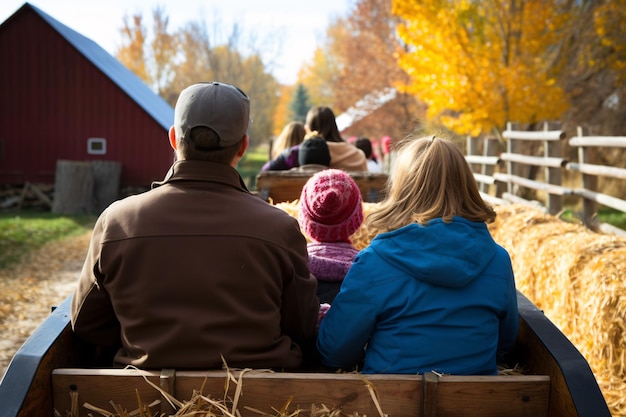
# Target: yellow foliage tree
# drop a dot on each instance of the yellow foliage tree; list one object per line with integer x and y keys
{"x": 164, "y": 48}
{"x": 131, "y": 53}
{"x": 318, "y": 77}
{"x": 480, "y": 64}
{"x": 281, "y": 113}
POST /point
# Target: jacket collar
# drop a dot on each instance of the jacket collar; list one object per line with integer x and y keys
{"x": 203, "y": 171}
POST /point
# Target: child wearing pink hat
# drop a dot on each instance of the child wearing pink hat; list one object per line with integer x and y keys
{"x": 330, "y": 211}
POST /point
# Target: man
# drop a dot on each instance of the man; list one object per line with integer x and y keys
{"x": 198, "y": 268}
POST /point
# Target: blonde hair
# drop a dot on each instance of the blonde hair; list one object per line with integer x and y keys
{"x": 431, "y": 179}
{"x": 291, "y": 135}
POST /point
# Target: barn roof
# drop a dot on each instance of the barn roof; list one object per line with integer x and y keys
{"x": 128, "y": 82}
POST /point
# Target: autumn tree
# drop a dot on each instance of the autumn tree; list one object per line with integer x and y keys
{"x": 318, "y": 76}
{"x": 164, "y": 47}
{"x": 175, "y": 60}
{"x": 363, "y": 49}
{"x": 594, "y": 73}
{"x": 480, "y": 64}
{"x": 131, "y": 53}
{"x": 281, "y": 112}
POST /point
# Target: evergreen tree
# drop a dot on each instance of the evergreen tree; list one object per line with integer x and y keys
{"x": 299, "y": 105}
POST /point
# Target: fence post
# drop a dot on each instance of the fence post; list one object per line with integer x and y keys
{"x": 491, "y": 147}
{"x": 471, "y": 144}
{"x": 589, "y": 182}
{"x": 509, "y": 164}
{"x": 553, "y": 175}
{"x": 472, "y": 149}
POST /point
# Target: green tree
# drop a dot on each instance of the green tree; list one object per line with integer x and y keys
{"x": 299, "y": 106}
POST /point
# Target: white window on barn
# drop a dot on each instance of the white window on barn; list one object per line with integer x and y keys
{"x": 96, "y": 146}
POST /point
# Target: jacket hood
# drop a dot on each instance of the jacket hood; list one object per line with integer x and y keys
{"x": 443, "y": 254}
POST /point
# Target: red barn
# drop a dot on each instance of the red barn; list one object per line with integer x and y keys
{"x": 66, "y": 98}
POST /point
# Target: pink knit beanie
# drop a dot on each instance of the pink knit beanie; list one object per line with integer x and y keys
{"x": 331, "y": 209}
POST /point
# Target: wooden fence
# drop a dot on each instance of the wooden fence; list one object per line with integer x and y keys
{"x": 510, "y": 176}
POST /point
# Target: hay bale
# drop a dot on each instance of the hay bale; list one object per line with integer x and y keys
{"x": 576, "y": 277}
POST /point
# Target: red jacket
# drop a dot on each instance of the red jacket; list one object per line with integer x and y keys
{"x": 196, "y": 269}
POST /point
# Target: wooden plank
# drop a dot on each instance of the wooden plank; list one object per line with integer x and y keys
{"x": 541, "y": 161}
{"x": 479, "y": 159}
{"x": 430, "y": 386}
{"x": 601, "y": 170}
{"x": 167, "y": 384}
{"x": 538, "y": 135}
{"x": 609, "y": 229}
{"x": 494, "y": 200}
{"x": 599, "y": 141}
{"x": 281, "y": 186}
{"x": 535, "y": 185}
{"x": 99, "y": 387}
{"x": 484, "y": 179}
{"x": 41, "y": 195}
{"x": 468, "y": 396}
{"x": 512, "y": 198}
{"x": 604, "y": 199}
{"x": 492, "y": 396}
{"x": 399, "y": 394}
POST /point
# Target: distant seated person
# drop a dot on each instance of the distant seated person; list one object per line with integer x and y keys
{"x": 313, "y": 155}
{"x": 365, "y": 145}
{"x": 343, "y": 154}
{"x": 285, "y": 148}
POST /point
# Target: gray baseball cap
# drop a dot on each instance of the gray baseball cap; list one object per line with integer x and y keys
{"x": 221, "y": 107}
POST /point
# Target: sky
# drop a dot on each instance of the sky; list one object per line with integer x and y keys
{"x": 286, "y": 31}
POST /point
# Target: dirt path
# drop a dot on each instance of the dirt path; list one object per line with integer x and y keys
{"x": 30, "y": 289}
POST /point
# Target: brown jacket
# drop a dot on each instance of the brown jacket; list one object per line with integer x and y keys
{"x": 196, "y": 269}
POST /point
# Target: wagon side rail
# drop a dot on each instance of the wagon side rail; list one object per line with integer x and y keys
{"x": 26, "y": 386}
{"x": 556, "y": 356}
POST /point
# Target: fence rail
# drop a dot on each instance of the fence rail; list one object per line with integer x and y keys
{"x": 506, "y": 177}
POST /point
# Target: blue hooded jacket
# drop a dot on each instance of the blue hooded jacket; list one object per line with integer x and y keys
{"x": 436, "y": 297}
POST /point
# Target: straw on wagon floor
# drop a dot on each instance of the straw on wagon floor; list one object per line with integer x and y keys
{"x": 203, "y": 405}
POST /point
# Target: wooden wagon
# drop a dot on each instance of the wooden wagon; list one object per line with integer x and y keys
{"x": 50, "y": 371}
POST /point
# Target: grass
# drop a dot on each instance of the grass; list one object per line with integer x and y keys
{"x": 605, "y": 215}
{"x": 27, "y": 230}
{"x": 251, "y": 164}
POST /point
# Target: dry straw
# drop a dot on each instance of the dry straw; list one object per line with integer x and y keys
{"x": 203, "y": 405}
